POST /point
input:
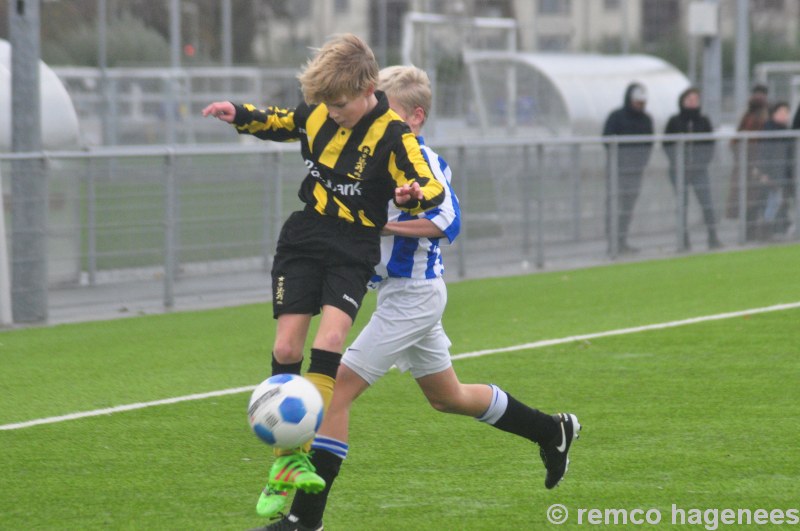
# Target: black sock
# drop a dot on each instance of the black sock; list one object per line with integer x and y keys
{"x": 324, "y": 362}
{"x": 309, "y": 508}
{"x": 527, "y": 422}
{"x": 285, "y": 368}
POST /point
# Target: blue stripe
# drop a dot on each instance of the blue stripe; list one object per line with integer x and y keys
{"x": 455, "y": 227}
{"x": 399, "y": 265}
{"x": 334, "y": 446}
{"x": 422, "y": 257}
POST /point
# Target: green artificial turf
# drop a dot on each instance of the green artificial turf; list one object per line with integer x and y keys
{"x": 702, "y": 416}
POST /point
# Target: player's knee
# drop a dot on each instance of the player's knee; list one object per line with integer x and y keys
{"x": 332, "y": 340}
{"x": 286, "y": 352}
{"x": 443, "y": 404}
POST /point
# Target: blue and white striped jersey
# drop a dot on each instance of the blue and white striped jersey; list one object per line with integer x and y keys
{"x": 421, "y": 258}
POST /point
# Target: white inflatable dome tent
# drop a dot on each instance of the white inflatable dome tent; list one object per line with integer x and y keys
{"x": 59, "y": 119}
{"x": 566, "y": 94}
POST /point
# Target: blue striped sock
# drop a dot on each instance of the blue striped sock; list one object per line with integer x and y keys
{"x": 336, "y": 447}
{"x": 497, "y": 407}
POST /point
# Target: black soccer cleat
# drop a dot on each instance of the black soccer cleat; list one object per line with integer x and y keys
{"x": 289, "y": 523}
{"x": 555, "y": 454}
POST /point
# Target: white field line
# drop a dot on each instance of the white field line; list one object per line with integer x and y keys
{"x": 477, "y": 353}
{"x": 633, "y": 330}
{"x": 128, "y": 407}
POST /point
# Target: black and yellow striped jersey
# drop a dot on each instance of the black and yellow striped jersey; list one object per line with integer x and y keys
{"x": 352, "y": 173}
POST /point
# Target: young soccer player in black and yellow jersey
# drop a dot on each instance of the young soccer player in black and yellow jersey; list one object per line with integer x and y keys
{"x": 406, "y": 332}
{"x": 360, "y": 155}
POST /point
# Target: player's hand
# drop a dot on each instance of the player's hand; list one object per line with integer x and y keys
{"x": 224, "y": 110}
{"x": 407, "y": 192}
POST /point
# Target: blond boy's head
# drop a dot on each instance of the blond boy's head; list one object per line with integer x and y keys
{"x": 407, "y": 86}
{"x": 344, "y": 67}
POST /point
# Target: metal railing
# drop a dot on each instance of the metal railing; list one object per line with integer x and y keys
{"x": 192, "y": 218}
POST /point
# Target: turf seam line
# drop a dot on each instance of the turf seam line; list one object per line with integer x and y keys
{"x": 475, "y": 354}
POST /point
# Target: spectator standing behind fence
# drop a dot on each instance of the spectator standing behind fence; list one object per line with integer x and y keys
{"x": 753, "y": 119}
{"x": 631, "y": 119}
{"x": 773, "y": 176}
{"x": 697, "y": 156}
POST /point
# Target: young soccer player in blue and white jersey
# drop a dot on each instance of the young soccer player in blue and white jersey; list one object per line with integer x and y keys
{"x": 406, "y": 331}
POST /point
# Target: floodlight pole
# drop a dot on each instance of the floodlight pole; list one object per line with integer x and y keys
{"x": 742, "y": 54}
{"x": 712, "y": 71}
{"x": 102, "y": 65}
{"x": 227, "y": 34}
{"x": 28, "y": 180}
{"x": 175, "y": 64}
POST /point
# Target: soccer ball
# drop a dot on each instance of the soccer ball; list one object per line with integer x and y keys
{"x": 285, "y": 411}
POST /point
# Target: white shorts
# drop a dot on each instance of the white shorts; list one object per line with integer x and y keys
{"x": 405, "y": 330}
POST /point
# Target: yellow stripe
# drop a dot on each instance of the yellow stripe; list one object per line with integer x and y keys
{"x": 322, "y": 198}
{"x": 398, "y": 175}
{"x": 411, "y": 145}
{"x": 376, "y": 132}
{"x": 335, "y": 147}
{"x": 344, "y": 212}
{"x": 315, "y": 121}
{"x": 364, "y": 220}
{"x": 276, "y": 119}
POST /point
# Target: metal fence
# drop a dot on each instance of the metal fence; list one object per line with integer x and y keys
{"x": 136, "y": 230}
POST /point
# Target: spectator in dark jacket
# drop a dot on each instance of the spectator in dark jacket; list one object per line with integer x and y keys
{"x": 631, "y": 119}
{"x": 774, "y": 163}
{"x": 697, "y": 156}
{"x": 752, "y": 120}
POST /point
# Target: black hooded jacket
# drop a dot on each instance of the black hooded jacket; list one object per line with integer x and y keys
{"x": 698, "y": 154}
{"x": 775, "y": 156}
{"x": 630, "y": 121}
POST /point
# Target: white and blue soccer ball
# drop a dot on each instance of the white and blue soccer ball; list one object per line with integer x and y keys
{"x": 285, "y": 411}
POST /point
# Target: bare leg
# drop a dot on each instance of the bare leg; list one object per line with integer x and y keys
{"x": 290, "y": 337}
{"x": 334, "y": 326}
{"x": 446, "y": 394}
{"x": 349, "y": 386}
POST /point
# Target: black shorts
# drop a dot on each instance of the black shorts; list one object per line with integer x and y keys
{"x": 322, "y": 260}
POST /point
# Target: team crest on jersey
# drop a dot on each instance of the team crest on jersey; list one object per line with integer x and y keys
{"x": 280, "y": 290}
{"x": 361, "y": 163}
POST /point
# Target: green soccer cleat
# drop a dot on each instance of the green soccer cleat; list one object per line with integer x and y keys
{"x": 271, "y": 502}
{"x": 295, "y": 471}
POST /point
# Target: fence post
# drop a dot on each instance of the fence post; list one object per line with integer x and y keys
{"x": 795, "y": 233}
{"x": 680, "y": 193}
{"x": 170, "y": 222}
{"x": 91, "y": 223}
{"x": 540, "y": 206}
{"x": 5, "y": 268}
{"x": 273, "y": 190}
{"x": 527, "y": 178}
{"x": 464, "y": 200}
{"x": 742, "y": 155}
{"x": 279, "y": 216}
{"x": 612, "y": 215}
{"x": 575, "y": 165}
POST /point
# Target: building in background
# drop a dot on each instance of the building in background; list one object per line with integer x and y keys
{"x": 271, "y": 38}
{"x": 606, "y": 26}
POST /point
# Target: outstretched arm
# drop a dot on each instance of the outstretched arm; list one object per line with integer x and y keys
{"x": 413, "y": 228}
{"x": 223, "y": 110}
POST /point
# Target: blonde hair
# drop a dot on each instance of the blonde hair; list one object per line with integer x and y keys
{"x": 344, "y": 67}
{"x": 409, "y": 86}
